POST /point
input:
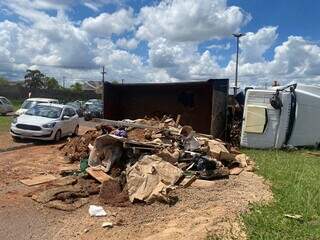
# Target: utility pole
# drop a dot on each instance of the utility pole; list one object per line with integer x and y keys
{"x": 64, "y": 81}
{"x": 122, "y": 81}
{"x": 237, "y": 36}
{"x": 103, "y": 73}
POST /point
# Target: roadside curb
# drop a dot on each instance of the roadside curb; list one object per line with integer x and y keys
{"x": 16, "y": 147}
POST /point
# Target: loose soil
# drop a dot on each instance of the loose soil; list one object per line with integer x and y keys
{"x": 204, "y": 208}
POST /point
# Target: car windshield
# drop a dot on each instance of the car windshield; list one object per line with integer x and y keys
{"x": 45, "y": 111}
{"x": 28, "y": 104}
{"x": 74, "y": 104}
{"x": 5, "y": 100}
{"x": 93, "y": 107}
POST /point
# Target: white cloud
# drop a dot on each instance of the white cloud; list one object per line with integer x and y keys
{"x": 219, "y": 46}
{"x": 190, "y": 20}
{"x": 182, "y": 61}
{"x": 105, "y": 24}
{"x": 295, "y": 60}
{"x": 254, "y": 45}
{"x": 173, "y": 30}
{"x": 127, "y": 44}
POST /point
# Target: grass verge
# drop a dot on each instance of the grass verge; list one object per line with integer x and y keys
{"x": 295, "y": 179}
{"x": 5, "y": 121}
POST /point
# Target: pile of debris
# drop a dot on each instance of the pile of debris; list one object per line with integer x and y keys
{"x": 144, "y": 159}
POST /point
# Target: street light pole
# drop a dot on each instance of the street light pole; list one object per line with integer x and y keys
{"x": 103, "y": 97}
{"x": 237, "y": 36}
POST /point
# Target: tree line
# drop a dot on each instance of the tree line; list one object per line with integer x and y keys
{"x": 35, "y": 79}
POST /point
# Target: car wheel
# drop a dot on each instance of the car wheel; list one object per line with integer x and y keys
{"x": 57, "y": 137}
{"x": 16, "y": 139}
{"x": 76, "y": 131}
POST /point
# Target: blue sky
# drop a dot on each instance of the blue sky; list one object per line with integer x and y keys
{"x": 161, "y": 41}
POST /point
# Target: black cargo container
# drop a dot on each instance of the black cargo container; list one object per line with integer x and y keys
{"x": 203, "y": 105}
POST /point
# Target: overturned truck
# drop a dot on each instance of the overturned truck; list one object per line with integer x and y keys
{"x": 281, "y": 117}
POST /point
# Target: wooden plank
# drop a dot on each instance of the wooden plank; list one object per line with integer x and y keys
{"x": 98, "y": 174}
{"x": 124, "y": 124}
{"x": 236, "y": 171}
{"x": 38, "y": 180}
{"x": 190, "y": 181}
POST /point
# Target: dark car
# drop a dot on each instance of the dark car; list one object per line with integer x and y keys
{"x": 77, "y": 105}
{"x": 92, "y": 111}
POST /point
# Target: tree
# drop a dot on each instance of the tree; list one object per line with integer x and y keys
{"x": 3, "y": 81}
{"x": 51, "y": 83}
{"x": 77, "y": 87}
{"x": 34, "y": 79}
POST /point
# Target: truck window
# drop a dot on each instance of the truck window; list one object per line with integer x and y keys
{"x": 256, "y": 119}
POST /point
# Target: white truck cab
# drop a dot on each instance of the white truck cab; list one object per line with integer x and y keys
{"x": 281, "y": 116}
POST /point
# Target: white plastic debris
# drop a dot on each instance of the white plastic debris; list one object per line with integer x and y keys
{"x": 97, "y": 211}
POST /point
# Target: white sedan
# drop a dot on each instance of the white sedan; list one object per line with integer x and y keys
{"x": 46, "y": 121}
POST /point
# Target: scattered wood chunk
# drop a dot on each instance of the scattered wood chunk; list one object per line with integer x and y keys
{"x": 294, "y": 216}
{"x": 315, "y": 154}
{"x": 98, "y": 174}
{"x": 178, "y": 119}
{"x": 225, "y": 156}
{"x": 190, "y": 181}
{"x": 38, "y": 180}
{"x": 64, "y": 181}
{"x": 236, "y": 171}
{"x": 107, "y": 225}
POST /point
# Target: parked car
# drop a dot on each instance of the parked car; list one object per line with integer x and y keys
{"x": 5, "y": 106}
{"x": 46, "y": 121}
{"x": 93, "y": 111}
{"x": 31, "y": 102}
{"x": 78, "y": 106}
{"x": 93, "y": 101}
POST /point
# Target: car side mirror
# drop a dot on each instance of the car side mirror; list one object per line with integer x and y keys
{"x": 65, "y": 117}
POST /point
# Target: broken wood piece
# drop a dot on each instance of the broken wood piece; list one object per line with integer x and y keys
{"x": 38, "y": 180}
{"x": 98, "y": 174}
{"x": 180, "y": 179}
{"x": 178, "y": 119}
{"x": 316, "y": 154}
{"x": 226, "y": 156}
{"x": 236, "y": 171}
{"x": 190, "y": 181}
{"x": 124, "y": 124}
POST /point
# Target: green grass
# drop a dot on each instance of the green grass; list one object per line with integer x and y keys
{"x": 5, "y": 121}
{"x": 295, "y": 180}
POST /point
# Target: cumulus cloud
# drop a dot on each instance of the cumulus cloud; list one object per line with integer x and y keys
{"x": 219, "y": 46}
{"x": 254, "y": 45}
{"x": 190, "y": 20}
{"x": 295, "y": 60}
{"x": 170, "y": 31}
{"x": 182, "y": 61}
{"x": 105, "y": 24}
{"x": 127, "y": 43}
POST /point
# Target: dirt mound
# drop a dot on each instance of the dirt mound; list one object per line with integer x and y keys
{"x": 77, "y": 148}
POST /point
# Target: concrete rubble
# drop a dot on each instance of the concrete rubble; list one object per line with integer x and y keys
{"x": 142, "y": 160}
